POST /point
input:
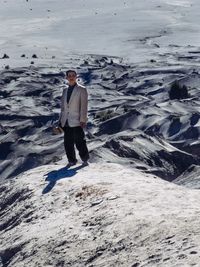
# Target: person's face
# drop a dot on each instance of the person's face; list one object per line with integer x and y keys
{"x": 71, "y": 77}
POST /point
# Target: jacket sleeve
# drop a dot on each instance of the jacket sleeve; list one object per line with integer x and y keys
{"x": 84, "y": 105}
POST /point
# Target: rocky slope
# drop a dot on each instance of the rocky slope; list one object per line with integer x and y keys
{"x": 137, "y": 203}
{"x": 132, "y": 119}
{"x": 99, "y": 215}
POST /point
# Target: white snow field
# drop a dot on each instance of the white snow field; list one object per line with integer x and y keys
{"x": 135, "y": 30}
{"x": 137, "y": 203}
{"x": 99, "y": 215}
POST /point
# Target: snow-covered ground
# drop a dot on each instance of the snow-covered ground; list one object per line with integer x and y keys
{"x": 135, "y": 30}
{"x": 99, "y": 215}
{"x": 119, "y": 210}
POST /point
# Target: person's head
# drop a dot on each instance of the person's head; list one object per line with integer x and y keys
{"x": 71, "y": 76}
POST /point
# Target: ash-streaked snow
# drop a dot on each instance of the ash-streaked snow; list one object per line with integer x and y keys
{"x": 117, "y": 211}
{"x": 99, "y": 215}
{"x": 131, "y": 119}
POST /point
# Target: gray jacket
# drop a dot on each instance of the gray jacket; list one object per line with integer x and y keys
{"x": 76, "y": 110}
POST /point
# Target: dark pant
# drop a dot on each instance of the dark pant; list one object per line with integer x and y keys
{"x": 75, "y": 136}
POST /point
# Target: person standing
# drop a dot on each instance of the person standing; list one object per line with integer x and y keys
{"x": 73, "y": 119}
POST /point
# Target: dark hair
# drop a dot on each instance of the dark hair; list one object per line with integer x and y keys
{"x": 68, "y": 71}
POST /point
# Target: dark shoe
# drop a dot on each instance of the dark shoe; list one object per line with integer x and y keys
{"x": 85, "y": 163}
{"x": 71, "y": 163}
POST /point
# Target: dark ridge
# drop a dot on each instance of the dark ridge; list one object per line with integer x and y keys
{"x": 8, "y": 79}
{"x": 25, "y": 130}
{"x": 153, "y": 130}
{"x": 179, "y": 160}
{"x": 4, "y": 93}
{"x": 12, "y": 198}
{"x": 177, "y": 91}
{"x": 50, "y": 75}
{"x": 191, "y": 133}
{"x": 155, "y": 92}
{"x": 174, "y": 127}
{"x": 194, "y": 119}
{"x": 162, "y": 71}
{"x": 121, "y": 78}
{"x": 122, "y": 151}
{"x": 159, "y": 160}
{"x": 117, "y": 124}
{"x": 33, "y": 160}
{"x": 87, "y": 76}
{"x": 35, "y": 92}
{"x": 8, "y": 254}
{"x": 5, "y": 150}
{"x": 38, "y": 120}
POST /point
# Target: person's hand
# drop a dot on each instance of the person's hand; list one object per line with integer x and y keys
{"x": 83, "y": 124}
{"x": 57, "y": 130}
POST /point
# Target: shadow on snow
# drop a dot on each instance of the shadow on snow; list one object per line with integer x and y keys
{"x": 53, "y": 176}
